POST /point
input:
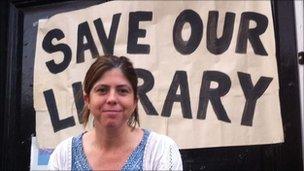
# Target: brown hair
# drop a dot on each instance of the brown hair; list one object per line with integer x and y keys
{"x": 95, "y": 72}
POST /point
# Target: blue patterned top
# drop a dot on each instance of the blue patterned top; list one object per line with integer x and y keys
{"x": 134, "y": 162}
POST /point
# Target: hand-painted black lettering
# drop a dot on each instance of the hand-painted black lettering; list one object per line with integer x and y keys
{"x": 148, "y": 83}
{"x": 52, "y": 107}
{"x": 180, "y": 80}
{"x": 213, "y": 94}
{"x": 49, "y": 47}
{"x": 189, "y": 46}
{"x": 84, "y": 33}
{"x": 107, "y": 42}
{"x": 134, "y": 32}
{"x": 252, "y": 93}
{"x": 219, "y": 45}
{"x": 251, "y": 34}
{"x": 78, "y": 98}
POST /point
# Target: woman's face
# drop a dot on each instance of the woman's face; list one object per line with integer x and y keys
{"x": 111, "y": 100}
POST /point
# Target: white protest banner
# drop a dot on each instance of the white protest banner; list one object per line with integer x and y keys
{"x": 207, "y": 69}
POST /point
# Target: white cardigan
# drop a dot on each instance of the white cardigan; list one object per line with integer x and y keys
{"x": 161, "y": 153}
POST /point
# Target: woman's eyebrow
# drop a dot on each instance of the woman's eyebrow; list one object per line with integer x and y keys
{"x": 100, "y": 85}
{"x": 124, "y": 86}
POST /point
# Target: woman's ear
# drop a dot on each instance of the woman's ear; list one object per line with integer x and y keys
{"x": 86, "y": 99}
{"x": 136, "y": 99}
{"x": 135, "y": 102}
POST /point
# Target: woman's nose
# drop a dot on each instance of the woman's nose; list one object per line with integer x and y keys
{"x": 112, "y": 98}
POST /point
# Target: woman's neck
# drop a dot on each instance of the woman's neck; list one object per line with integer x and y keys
{"x": 107, "y": 139}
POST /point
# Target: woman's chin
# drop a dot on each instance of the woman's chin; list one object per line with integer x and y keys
{"x": 112, "y": 124}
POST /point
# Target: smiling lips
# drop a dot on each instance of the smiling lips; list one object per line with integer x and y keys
{"x": 111, "y": 112}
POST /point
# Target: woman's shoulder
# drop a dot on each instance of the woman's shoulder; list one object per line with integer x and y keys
{"x": 160, "y": 143}
{"x": 65, "y": 143}
{"x": 61, "y": 156}
{"x": 161, "y": 153}
{"x": 160, "y": 139}
{"x": 64, "y": 146}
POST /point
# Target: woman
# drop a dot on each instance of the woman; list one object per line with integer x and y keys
{"x": 115, "y": 142}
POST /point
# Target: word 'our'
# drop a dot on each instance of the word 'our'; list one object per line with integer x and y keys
{"x": 215, "y": 45}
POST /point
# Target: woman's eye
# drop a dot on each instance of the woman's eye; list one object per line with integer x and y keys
{"x": 102, "y": 90}
{"x": 123, "y": 91}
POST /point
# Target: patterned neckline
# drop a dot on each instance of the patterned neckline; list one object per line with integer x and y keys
{"x": 135, "y": 156}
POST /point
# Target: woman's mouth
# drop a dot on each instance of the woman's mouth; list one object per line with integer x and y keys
{"x": 111, "y": 112}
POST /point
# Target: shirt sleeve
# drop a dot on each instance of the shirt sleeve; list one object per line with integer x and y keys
{"x": 60, "y": 159}
{"x": 171, "y": 158}
{"x": 162, "y": 153}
